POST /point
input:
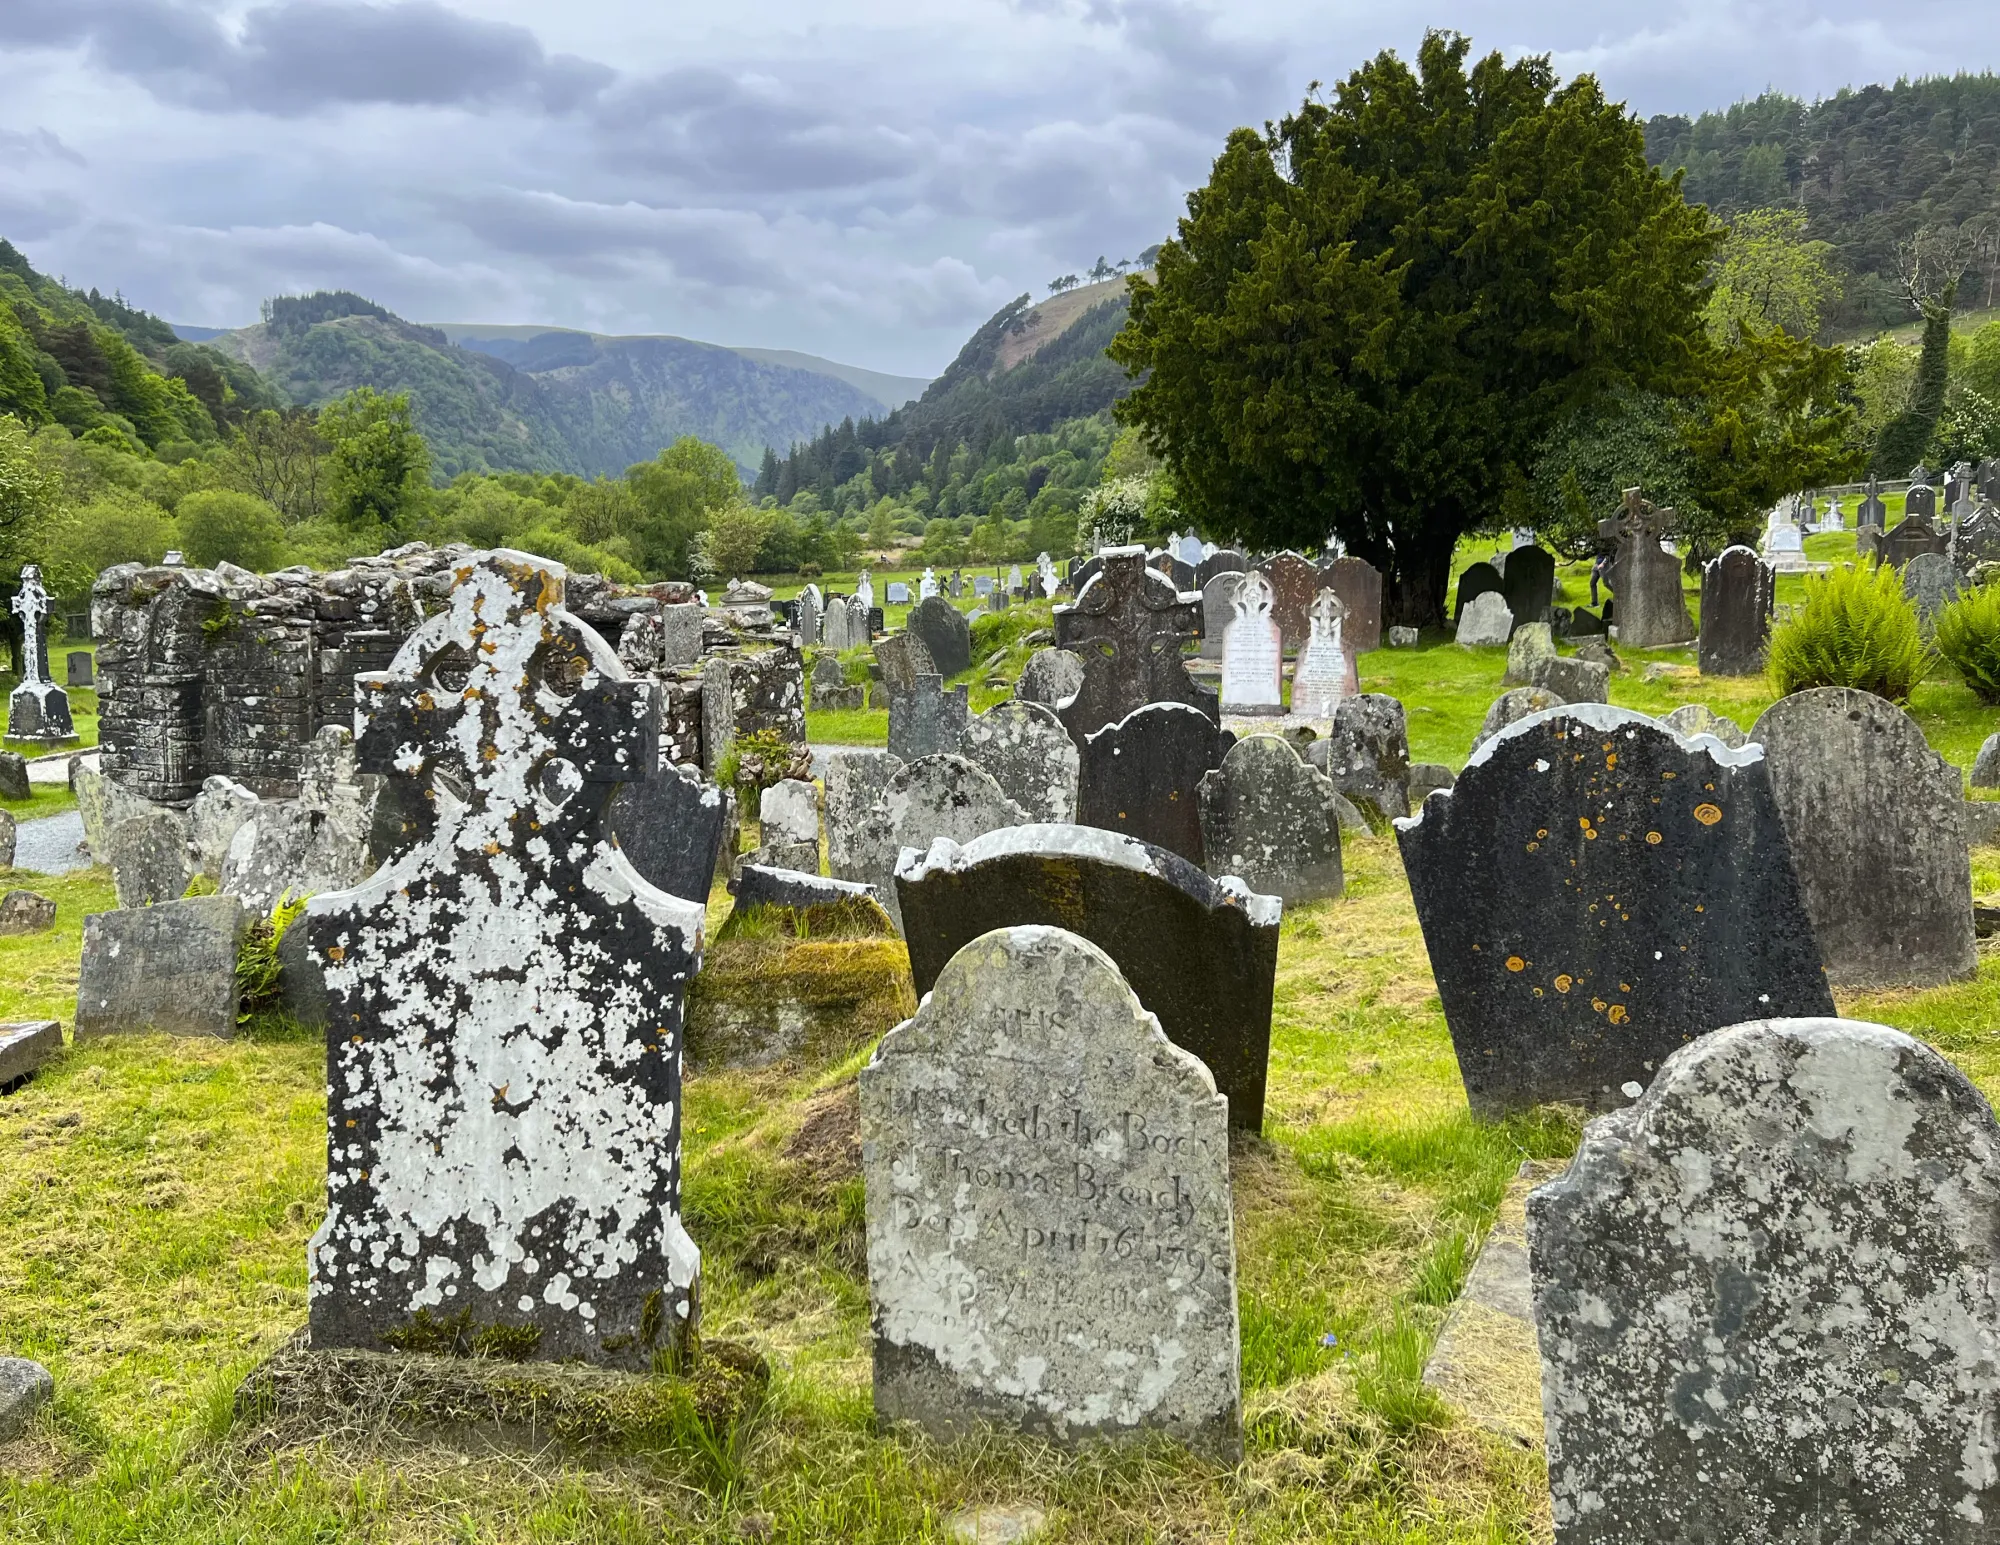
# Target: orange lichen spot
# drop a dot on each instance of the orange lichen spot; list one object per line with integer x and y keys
{"x": 1616, "y": 1014}
{"x": 1669, "y": 775}
{"x": 1539, "y": 993}
{"x": 1565, "y": 983}
{"x": 1699, "y": 907}
{"x": 492, "y": 848}
{"x": 491, "y": 753}
{"x": 1611, "y": 760}
{"x": 1584, "y": 822}
{"x": 1516, "y": 963}
{"x": 1708, "y": 815}
{"x": 1654, "y": 838}
{"x": 1597, "y": 1004}
{"x": 1543, "y": 832}
{"x": 1589, "y": 834}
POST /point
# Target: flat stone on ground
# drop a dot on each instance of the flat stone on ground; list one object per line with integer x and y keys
{"x": 25, "y": 1046}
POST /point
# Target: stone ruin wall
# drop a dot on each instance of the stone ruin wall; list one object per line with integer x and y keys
{"x": 221, "y": 671}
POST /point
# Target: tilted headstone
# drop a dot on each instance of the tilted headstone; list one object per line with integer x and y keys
{"x": 1478, "y": 580}
{"x": 1737, "y": 591}
{"x": 505, "y": 1001}
{"x": 932, "y": 797}
{"x": 1486, "y": 622}
{"x": 1358, "y": 583}
{"x": 1029, "y": 754}
{"x": 1127, "y": 626}
{"x": 1595, "y": 892}
{"x": 1141, "y": 776}
{"x": 1872, "y": 511}
{"x": 926, "y": 720}
{"x": 1218, "y": 607}
{"x": 1051, "y": 677}
{"x": 1050, "y": 1239}
{"x": 169, "y": 967}
{"x": 904, "y": 658}
{"x": 149, "y": 860}
{"x": 899, "y": 593}
{"x": 1201, "y": 953}
{"x": 673, "y": 827}
{"x": 1647, "y": 580}
{"x": 26, "y": 1046}
{"x": 1366, "y": 752}
{"x": 1271, "y": 820}
{"x": 1877, "y": 821}
{"x": 1253, "y": 650}
{"x": 1325, "y": 671}
{"x": 1529, "y": 583}
{"x": 856, "y": 782}
{"x": 37, "y": 709}
{"x": 1764, "y": 1298}
{"x": 1912, "y": 535}
{"x": 945, "y": 634}
{"x": 1932, "y": 583}
{"x": 1294, "y": 583}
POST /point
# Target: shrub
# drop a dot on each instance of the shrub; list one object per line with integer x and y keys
{"x": 218, "y": 525}
{"x": 1856, "y": 629}
{"x": 1968, "y": 635}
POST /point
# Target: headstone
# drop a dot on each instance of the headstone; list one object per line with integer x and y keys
{"x": 806, "y": 622}
{"x": 1366, "y": 753}
{"x": 1270, "y": 819}
{"x": 1511, "y": 707}
{"x": 1988, "y": 482}
{"x": 1486, "y": 623}
{"x": 927, "y": 720}
{"x": 14, "y": 776}
{"x": 1188, "y": 549}
{"x": 505, "y": 1003}
{"x": 1920, "y": 499}
{"x": 680, "y": 633}
{"x": 1001, "y": 601}
{"x": 26, "y": 1047}
{"x": 1325, "y": 671}
{"x": 1218, "y": 608}
{"x": 1872, "y": 512}
{"x": 24, "y": 912}
{"x": 1595, "y": 892}
{"x": 1529, "y": 584}
{"x": 1531, "y": 644}
{"x": 899, "y": 593}
{"x": 788, "y": 812}
{"x": 955, "y": 586}
{"x": 1692, "y": 719}
{"x": 1051, "y": 677}
{"x": 1957, "y": 484}
{"x": 672, "y": 827}
{"x": 1224, "y": 560}
{"x": 904, "y": 658}
{"x": 1931, "y": 583}
{"x": 1977, "y": 540}
{"x": 1253, "y": 650}
{"x": 932, "y": 797}
{"x": 1045, "y": 575}
{"x": 1082, "y": 572}
{"x": 927, "y": 586}
{"x": 1585, "y": 623}
{"x": 864, "y": 592}
{"x": 1478, "y": 580}
{"x": 1878, "y": 834}
{"x": 1050, "y": 1239}
{"x": 1573, "y": 680}
{"x": 1425, "y": 778}
{"x": 1294, "y": 583}
{"x": 218, "y": 813}
{"x": 1646, "y": 579}
{"x": 945, "y": 634}
{"x": 1141, "y": 776}
{"x": 1737, "y": 592}
{"x": 1913, "y": 534}
{"x": 857, "y": 781}
{"x": 826, "y": 674}
{"x": 758, "y": 885}
{"x": 1764, "y": 1298}
{"x": 1985, "y": 772}
{"x": 37, "y": 709}
{"x": 148, "y": 855}
{"x": 744, "y": 694}
{"x": 81, "y": 668}
{"x": 1358, "y": 583}
{"x": 1029, "y": 754}
{"x": 168, "y": 967}
{"x": 1014, "y": 580}
{"x": 1127, "y": 626}
{"x": 1404, "y": 638}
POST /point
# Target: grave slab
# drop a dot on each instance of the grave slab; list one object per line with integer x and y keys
{"x": 25, "y": 1048}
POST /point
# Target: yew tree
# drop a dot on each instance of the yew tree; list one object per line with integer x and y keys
{"x": 1377, "y": 307}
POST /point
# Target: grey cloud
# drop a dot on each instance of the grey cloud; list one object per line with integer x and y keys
{"x": 36, "y": 145}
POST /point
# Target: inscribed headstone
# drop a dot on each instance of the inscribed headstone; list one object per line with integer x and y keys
{"x": 904, "y": 658}
{"x": 1646, "y": 579}
{"x": 1872, "y": 512}
{"x": 169, "y": 967}
{"x": 1325, "y": 671}
{"x": 1912, "y": 535}
{"x": 1218, "y": 607}
{"x": 982, "y": 586}
{"x": 1253, "y": 651}
{"x": 1127, "y": 626}
{"x": 1029, "y": 754}
{"x": 1271, "y": 820}
{"x": 899, "y": 593}
{"x": 1920, "y": 499}
{"x": 148, "y": 855}
{"x": 1141, "y": 776}
{"x": 1737, "y": 590}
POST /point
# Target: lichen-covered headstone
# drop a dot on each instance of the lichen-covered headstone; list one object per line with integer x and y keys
{"x": 856, "y": 782}
{"x": 1691, "y": 719}
{"x": 148, "y": 855}
{"x": 935, "y": 796}
{"x": 1532, "y": 643}
{"x": 1270, "y": 819}
{"x": 504, "y": 1005}
{"x": 1127, "y": 626}
{"x": 1142, "y": 776}
{"x": 927, "y": 719}
{"x": 169, "y": 967}
{"x": 1051, "y": 677}
{"x": 1511, "y": 707}
{"x": 1595, "y": 892}
{"x": 1485, "y": 622}
{"x": 1573, "y": 679}
{"x": 219, "y": 810}
{"x": 1253, "y": 651}
{"x": 1932, "y": 583}
{"x": 1029, "y": 754}
{"x": 1764, "y": 1297}
{"x": 1366, "y": 752}
{"x": 1050, "y": 1242}
{"x": 1877, "y": 821}
{"x": 1647, "y": 579}
{"x": 946, "y": 635}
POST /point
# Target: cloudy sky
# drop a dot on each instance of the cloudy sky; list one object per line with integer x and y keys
{"x": 865, "y": 179}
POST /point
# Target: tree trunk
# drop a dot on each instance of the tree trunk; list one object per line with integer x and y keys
{"x": 1416, "y": 576}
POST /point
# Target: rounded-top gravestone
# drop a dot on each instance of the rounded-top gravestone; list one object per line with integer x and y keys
{"x": 1029, "y": 754}
{"x": 1272, "y": 820}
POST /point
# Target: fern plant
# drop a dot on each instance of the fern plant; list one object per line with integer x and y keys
{"x": 257, "y": 970}
{"x": 1856, "y": 629}
{"x": 1968, "y": 635}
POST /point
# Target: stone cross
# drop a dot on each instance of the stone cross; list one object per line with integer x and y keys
{"x": 1647, "y": 579}
{"x": 31, "y": 605}
{"x": 1045, "y": 569}
{"x": 37, "y": 709}
{"x": 505, "y": 1006}
{"x": 928, "y": 585}
{"x": 1253, "y": 654}
{"x": 1127, "y": 626}
{"x": 1323, "y": 675}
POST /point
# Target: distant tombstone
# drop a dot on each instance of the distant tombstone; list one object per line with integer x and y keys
{"x": 1647, "y": 580}
{"x": 835, "y": 633}
{"x": 1912, "y": 535}
{"x": 1253, "y": 652}
{"x": 169, "y": 967}
{"x": 81, "y": 668}
{"x": 982, "y": 586}
{"x": 955, "y": 586}
{"x": 1404, "y": 638}
{"x": 680, "y": 633}
{"x": 1532, "y": 643}
{"x": 935, "y": 796}
{"x": 38, "y": 709}
{"x": 1045, "y": 575}
{"x": 1737, "y": 589}
{"x": 1573, "y": 679}
{"x": 927, "y": 719}
{"x": 899, "y": 593}
{"x": 877, "y": 625}
{"x": 1127, "y": 627}
{"x": 1486, "y": 622}
{"x": 1529, "y": 584}
{"x": 1877, "y": 824}
{"x": 945, "y": 633}
{"x": 1958, "y": 485}
{"x": 1977, "y": 540}
{"x": 1358, "y": 583}
{"x": 1051, "y": 677}
{"x": 927, "y": 585}
{"x": 1294, "y": 583}
{"x": 1596, "y": 892}
{"x": 903, "y": 657}
{"x": 1478, "y": 580}
{"x": 1920, "y": 499}
{"x": 856, "y": 782}
{"x": 1931, "y": 583}
{"x": 1585, "y": 623}
{"x": 1140, "y": 776}
{"x": 505, "y": 1003}
{"x": 1188, "y": 549}
{"x": 864, "y": 592}
{"x": 1366, "y": 753}
{"x": 1001, "y": 601}
{"x": 805, "y": 621}
{"x": 1048, "y": 1188}
{"x": 1325, "y": 672}
{"x": 1988, "y": 482}
{"x": 671, "y": 827}
{"x": 1872, "y": 512}
{"x": 1081, "y": 571}
{"x": 1764, "y": 1298}
{"x": 1218, "y": 606}
{"x": 1273, "y": 821}
{"x": 1692, "y": 719}
{"x": 1202, "y": 953}
{"x": 1029, "y": 754}
{"x": 1224, "y": 560}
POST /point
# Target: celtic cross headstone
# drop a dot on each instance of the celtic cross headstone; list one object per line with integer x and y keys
{"x": 37, "y": 709}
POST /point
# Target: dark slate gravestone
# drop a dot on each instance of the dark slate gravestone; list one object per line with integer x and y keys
{"x": 1142, "y": 775}
{"x": 1764, "y": 1299}
{"x": 1920, "y": 499}
{"x": 1082, "y": 571}
{"x": 1647, "y": 579}
{"x": 1529, "y": 583}
{"x": 80, "y": 667}
{"x": 504, "y": 1004}
{"x": 1585, "y": 623}
{"x": 1913, "y": 534}
{"x": 1481, "y": 579}
{"x": 1294, "y": 585}
{"x": 1358, "y": 583}
{"x": 1596, "y": 891}
{"x": 1877, "y": 821}
{"x": 926, "y": 720}
{"x": 1127, "y": 626}
{"x": 1872, "y": 512}
{"x": 945, "y": 634}
{"x": 1202, "y": 954}
{"x": 1224, "y": 560}
{"x": 1218, "y": 609}
{"x": 1272, "y": 821}
{"x": 1736, "y": 594}
{"x": 1182, "y": 574}
{"x": 672, "y": 827}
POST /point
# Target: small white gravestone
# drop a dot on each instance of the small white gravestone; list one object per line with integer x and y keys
{"x": 1050, "y": 1243}
{"x": 864, "y": 592}
{"x": 982, "y": 586}
{"x": 1014, "y": 580}
{"x": 1188, "y": 548}
{"x": 1045, "y": 570}
{"x": 1325, "y": 672}
{"x": 928, "y": 585}
{"x": 1486, "y": 621}
{"x": 1253, "y": 656}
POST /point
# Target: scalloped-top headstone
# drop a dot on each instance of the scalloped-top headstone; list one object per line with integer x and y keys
{"x": 1025, "y": 749}
{"x": 1141, "y": 776}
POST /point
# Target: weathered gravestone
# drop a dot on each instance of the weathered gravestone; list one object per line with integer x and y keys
{"x": 1920, "y": 498}
{"x": 1764, "y": 1299}
{"x": 932, "y": 797}
{"x": 903, "y": 658}
{"x": 748, "y": 693}
{"x": 26, "y": 1046}
{"x": 1691, "y": 719}
{"x": 1325, "y": 671}
{"x": 1049, "y": 1226}
{"x": 1957, "y": 484}
{"x": 1358, "y": 583}
{"x": 945, "y": 634}
{"x": 927, "y": 719}
{"x": 1224, "y": 560}
{"x": 1029, "y": 754}
{"x": 170, "y": 967}
{"x": 1294, "y": 583}
{"x": 1532, "y": 643}
{"x": 1051, "y": 677}
{"x": 1511, "y": 707}
{"x": 898, "y": 593}
{"x": 1478, "y": 580}
{"x": 1253, "y": 649}
{"x": 37, "y": 709}
{"x": 1737, "y": 589}
{"x": 1595, "y": 892}
{"x": 1141, "y": 776}
{"x": 505, "y": 1004}
{"x": 1977, "y": 540}
{"x": 1271, "y": 820}
{"x": 80, "y": 667}
{"x": 1126, "y": 626}
{"x": 672, "y": 826}
{"x": 1913, "y": 534}
{"x": 1366, "y": 752}
{"x": 856, "y": 781}
{"x": 1646, "y": 579}
{"x": 805, "y": 620}
{"x": 1872, "y": 511}
{"x": 14, "y": 778}
{"x": 1218, "y": 608}
{"x": 1932, "y": 583}
{"x": 829, "y": 677}
{"x": 1486, "y": 622}
{"x": 834, "y": 631}
{"x": 1529, "y": 584}
{"x": 215, "y": 817}
{"x": 148, "y": 855}
{"x": 982, "y": 586}
{"x": 1201, "y": 953}
{"x": 788, "y": 825}
{"x": 1574, "y": 680}
{"x": 1877, "y": 821}
{"x": 24, "y": 912}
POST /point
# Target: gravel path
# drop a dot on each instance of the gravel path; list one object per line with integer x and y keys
{"x": 49, "y": 845}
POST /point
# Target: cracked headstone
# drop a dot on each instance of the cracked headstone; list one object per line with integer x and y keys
{"x": 1269, "y": 818}
{"x": 1029, "y": 754}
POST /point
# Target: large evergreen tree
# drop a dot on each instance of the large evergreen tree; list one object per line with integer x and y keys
{"x": 1375, "y": 310}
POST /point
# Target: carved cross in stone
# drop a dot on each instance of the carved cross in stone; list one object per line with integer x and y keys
{"x": 1127, "y": 626}
{"x": 1639, "y": 518}
{"x": 504, "y": 1002}
{"x": 31, "y": 605}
